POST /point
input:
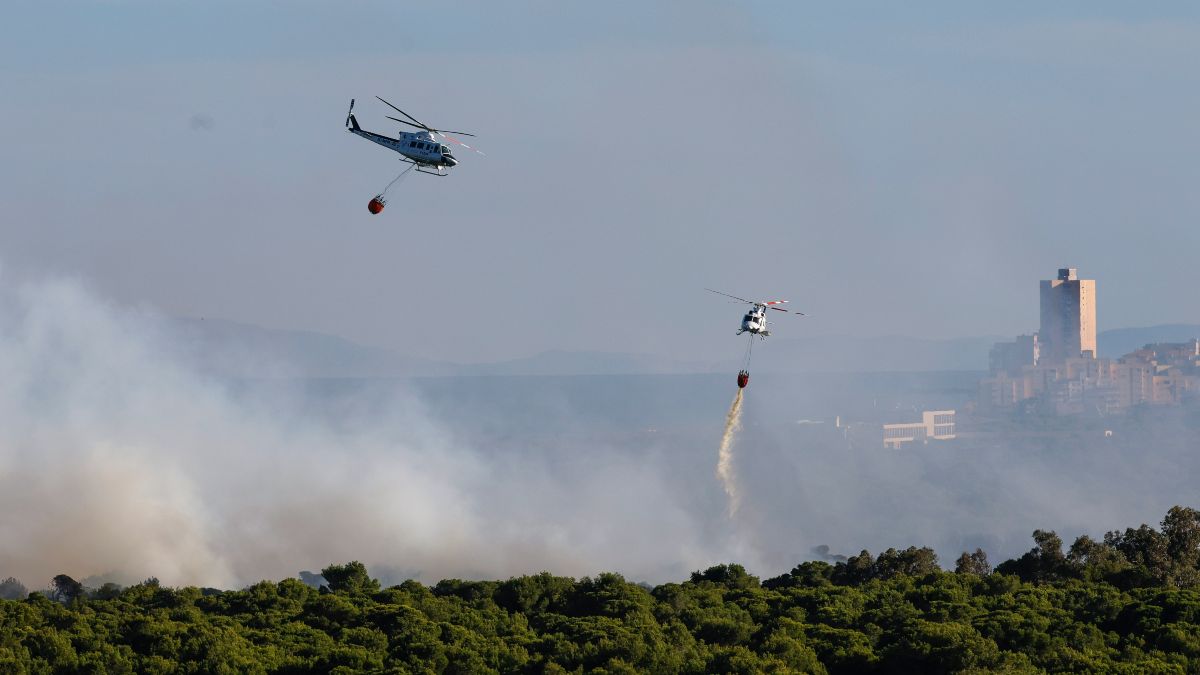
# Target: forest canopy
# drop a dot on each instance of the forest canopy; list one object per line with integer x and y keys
{"x": 1129, "y": 602}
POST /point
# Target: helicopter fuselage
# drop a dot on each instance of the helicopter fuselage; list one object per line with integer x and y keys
{"x": 755, "y": 322}
{"x": 418, "y": 147}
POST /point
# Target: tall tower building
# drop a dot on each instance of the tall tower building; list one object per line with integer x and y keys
{"x": 1068, "y": 318}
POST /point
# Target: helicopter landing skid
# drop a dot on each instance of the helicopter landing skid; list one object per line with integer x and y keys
{"x": 426, "y": 168}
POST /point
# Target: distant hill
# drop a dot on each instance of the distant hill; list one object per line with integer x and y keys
{"x": 873, "y": 354}
{"x": 588, "y": 363}
{"x": 899, "y": 353}
{"x": 233, "y": 349}
{"x": 1121, "y": 341}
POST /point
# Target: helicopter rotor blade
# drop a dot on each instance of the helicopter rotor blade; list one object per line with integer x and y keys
{"x": 458, "y": 142}
{"x": 731, "y": 296}
{"x": 780, "y": 309}
{"x": 417, "y": 121}
{"x": 403, "y": 122}
{"x": 421, "y": 125}
{"x": 349, "y": 112}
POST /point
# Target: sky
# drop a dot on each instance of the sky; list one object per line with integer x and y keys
{"x": 891, "y": 169}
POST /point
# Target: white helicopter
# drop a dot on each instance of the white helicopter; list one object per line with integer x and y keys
{"x": 422, "y": 149}
{"x": 755, "y": 323}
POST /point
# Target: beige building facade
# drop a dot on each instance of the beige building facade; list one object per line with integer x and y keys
{"x": 1068, "y": 318}
{"x": 1157, "y": 374}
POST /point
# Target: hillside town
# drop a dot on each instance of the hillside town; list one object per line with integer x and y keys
{"x": 1057, "y": 370}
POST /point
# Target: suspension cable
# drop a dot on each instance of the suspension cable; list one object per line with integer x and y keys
{"x": 396, "y": 179}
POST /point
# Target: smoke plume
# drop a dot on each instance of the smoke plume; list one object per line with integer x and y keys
{"x": 725, "y": 471}
{"x": 117, "y": 457}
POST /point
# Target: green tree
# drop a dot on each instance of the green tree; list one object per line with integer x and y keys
{"x": 1089, "y": 610}
{"x": 1181, "y": 528}
{"x": 11, "y": 589}
{"x": 66, "y": 589}
{"x": 912, "y": 561}
{"x": 108, "y": 591}
{"x": 856, "y": 570}
{"x": 731, "y": 576}
{"x": 536, "y": 593}
{"x": 1044, "y": 562}
{"x": 811, "y": 573}
{"x": 1096, "y": 561}
{"x": 1144, "y": 547}
{"x": 351, "y": 578}
{"x": 973, "y": 563}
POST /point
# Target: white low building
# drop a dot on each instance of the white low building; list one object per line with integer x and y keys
{"x": 937, "y": 425}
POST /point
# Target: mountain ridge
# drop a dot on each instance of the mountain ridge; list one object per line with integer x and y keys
{"x": 236, "y": 349}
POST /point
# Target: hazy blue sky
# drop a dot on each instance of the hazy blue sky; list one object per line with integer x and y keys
{"x": 892, "y": 168}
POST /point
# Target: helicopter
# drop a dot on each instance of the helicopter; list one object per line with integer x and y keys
{"x": 421, "y": 148}
{"x": 755, "y": 323}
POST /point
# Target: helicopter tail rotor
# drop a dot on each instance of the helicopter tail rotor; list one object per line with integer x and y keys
{"x": 351, "y": 123}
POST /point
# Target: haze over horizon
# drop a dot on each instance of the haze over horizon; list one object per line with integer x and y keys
{"x": 890, "y": 170}
{"x": 120, "y": 461}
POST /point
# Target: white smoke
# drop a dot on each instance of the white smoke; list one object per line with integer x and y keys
{"x": 116, "y": 457}
{"x": 725, "y": 470}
